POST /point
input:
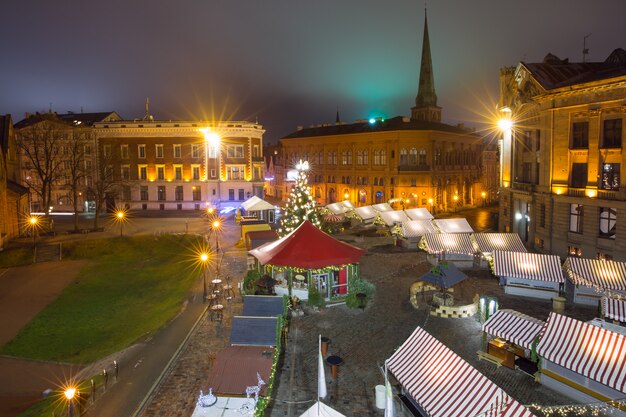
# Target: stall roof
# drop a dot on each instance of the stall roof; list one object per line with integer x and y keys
{"x": 418, "y": 214}
{"x": 593, "y": 273}
{"x": 255, "y": 203}
{"x": 417, "y": 228}
{"x": 337, "y": 208}
{"x": 322, "y": 411}
{"x": 307, "y": 247}
{"x": 514, "y": 327}
{"x": 366, "y": 212}
{"x": 533, "y": 266}
{"x": 382, "y": 207}
{"x": 448, "y": 242}
{"x": 391, "y": 217}
{"x": 444, "y": 275}
{"x": 235, "y": 369}
{"x": 614, "y": 309}
{"x": 591, "y": 351}
{"x": 253, "y": 331}
{"x": 225, "y": 407}
{"x": 256, "y": 238}
{"x": 490, "y": 242}
{"x": 262, "y": 305}
{"x": 348, "y": 204}
{"x": 453, "y": 225}
{"x": 444, "y": 385}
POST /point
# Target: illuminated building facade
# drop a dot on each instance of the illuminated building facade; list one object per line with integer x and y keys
{"x": 562, "y": 156}
{"x": 13, "y": 197}
{"x": 183, "y": 165}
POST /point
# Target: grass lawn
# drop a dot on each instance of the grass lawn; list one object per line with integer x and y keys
{"x": 131, "y": 287}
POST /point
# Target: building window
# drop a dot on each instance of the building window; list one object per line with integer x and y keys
{"x": 197, "y": 193}
{"x": 87, "y": 150}
{"x": 177, "y": 151}
{"x": 234, "y": 151}
{"x": 125, "y": 172}
{"x": 576, "y": 218}
{"x": 106, "y": 151}
{"x": 231, "y": 194}
{"x": 235, "y": 172}
{"x": 575, "y": 251}
{"x": 88, "y": 165}
{"x": 255, "y": 151}
{"x": 178, "y": 194}
{"x": 241, "y": 194}
{"x": 580, "y": 135}
{"x": 610, "y": 177}
{"x": 126, "y": 193}
{"x": 612, "y": 133}
{"x": 141, "y": 151}
{"x": 213, "y": 152}
{"x": 608, "y": 222}
{"x": 161, "y": 193}
{"x": 159, "y": 151}
{"x": 143, "y": 193}
{"x": 601, "y": 256}
{"x": 359, "y": 157}
{"x": 413, "y": 182}
{"x": 413, "y": 156}
{"x": 195, "y": 151}
{"x": 421, "y": 161}
{"x": 178, "y": 172}
{"x": 344, "y": 158}
{"x": 160, "y": 172}
{"x": 578, "y": 177}
{"x": 213, "y": 173}
{"x": 195, "y": 172}
{"x": 542, "y": 215}
{"x": 143, "y": 172}
{"x": 124, "y": 151}
{"x": 403, "y": 154}
{"x": 539, "y": 243}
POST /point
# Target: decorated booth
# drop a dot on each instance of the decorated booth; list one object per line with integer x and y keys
{"x": 452, "y": 247}
{"x": 487, "y": 243}
{"x": 259, "y": 208}
{"x": 366, "y": 214}
{"x": 590, "y": 279}
{"x": 453, "y": 226}
{"x": 411, "y": 232}
{"x": 382, "y": 207}
{"x": 613, "y": 310}
{"x": 389, "y": 218}
{"x": 529, "y": 274}
{"x": 418, "y": 214}
{"x": 308, "y": 257}
{"x": 337, "y": 208}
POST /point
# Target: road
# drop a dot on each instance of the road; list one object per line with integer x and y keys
{"x": 481, "y": 219}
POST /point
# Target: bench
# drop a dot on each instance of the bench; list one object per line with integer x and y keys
{"x": 489, "y": 358}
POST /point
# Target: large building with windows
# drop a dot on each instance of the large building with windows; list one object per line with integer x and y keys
{"x": 178, "y": 165}
{"x": 415, "y": 161}
{"x": 562, "y": 156}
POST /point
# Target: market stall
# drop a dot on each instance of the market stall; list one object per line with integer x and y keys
{"x": 337, "y": 208}
{"x": 235, "y": 368}
{"x": 613, "y": 310}
{"x": 418, "y": 214}
{"x": 410, "y": 232}
{"x": 437, "y": 382}
{"x": 487, "y": 243}
{"x": 452, "y": 247}
{"x": 389, "y": 218}
{"x": 253, "y": 331}
{"x": 309, "y": 257}
{"x": 590, "y": 279}
{"x": 263, "y": 306}
{"x": 366, "y": 214}
{"x": 259, "y": 208}
{"x": 529, "y": 274}
{"x": 382, "y": 207}
{"x": 582, "y": 361}
{"x": 453, "y": 226}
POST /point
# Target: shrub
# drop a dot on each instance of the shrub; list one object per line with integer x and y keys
{"x": 249, "y": 280}
{"x": 358, "y": 285}
{"x": 315, "y": 298}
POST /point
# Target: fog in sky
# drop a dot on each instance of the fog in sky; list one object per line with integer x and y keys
{"x": 285, "y": 62}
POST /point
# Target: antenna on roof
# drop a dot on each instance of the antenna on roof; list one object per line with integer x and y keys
{"x": 585, "y": 49}
{"x": 148, "y": 117}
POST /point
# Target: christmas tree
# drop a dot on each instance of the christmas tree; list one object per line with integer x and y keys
{"x": 300, "y": 205}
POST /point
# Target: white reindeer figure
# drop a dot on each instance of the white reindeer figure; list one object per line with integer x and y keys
{"x": 256, "y": 389}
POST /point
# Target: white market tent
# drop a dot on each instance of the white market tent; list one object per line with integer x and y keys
{"x": 224, "y": 407}
{"x": 348, "y": 204}
{"x": 453, "y": 247}
{"x": 613, "y": 309}
{"x": 487, "y": 243}
{"x": 459, "y": 225}
{"x": 255, "y": 203}
{"x": 415, "y": 229}
{"x": 418, "y": 214}
{"x": 514, "y": 327}
{"x": 439, "y": 383}
{"x": 366, "y": 213}
{"x": 528, "y": 274}
{"x": 321, "y": 411}
{"x": 337, "y": 208}
{"x": 580, "y": 355}
{"x": 591, "y": 279}
{"x": 382, "y": 207}
{"x": 392, "y": 217}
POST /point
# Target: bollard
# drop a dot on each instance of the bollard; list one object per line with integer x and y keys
{"x": 106, "y": 378}
{"x": 117, "y": 370}
{"x": 93, "y": 390}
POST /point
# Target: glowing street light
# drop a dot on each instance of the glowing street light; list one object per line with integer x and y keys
{"x": 33, "y": 223}
{"x": 456, "y": 201}
{"x": 204, "y": 259}
{"x": 484, "y": 196}
{"x": 215, "y": 227}
{"x": 120, "y": 218}
{"x": 431, "y": 202}
{"x": 346, "y": 195}
{"x": 69, "y": 393}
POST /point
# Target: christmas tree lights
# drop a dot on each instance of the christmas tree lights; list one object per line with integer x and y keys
{"x": 301, "y": 205}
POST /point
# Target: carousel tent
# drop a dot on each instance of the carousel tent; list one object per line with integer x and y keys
{"x": 418, "y": 214}
{"x": 528, "y": 274}
{"x": 613, "y": 309}
{"x": 337, "y": 208}
{"x": 392, "y": 217}
{"x": 450, "y": 243}
{"x": 255, "y": 203}
{"x": 263, "y": 306}
{"x": 382, "y": 207}
{"x": 307, "y": 247}
{"x": 487, "y": 243}
{"x": 235, "y": 368}
{"x": 514, "y": 327}
{"x": 319, "y": 409}
{"x": 442, "y": 384}
{"x": 579, "y": 355}
{"x": 366, "y": 213}
{"x": 453, "y": 225}
{"x": 253, "y": 331}
{"x": 594, "y": 278}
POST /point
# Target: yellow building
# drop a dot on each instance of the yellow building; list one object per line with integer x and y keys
{"x": 562, "y": 157}
{"x": 415, "y": 161}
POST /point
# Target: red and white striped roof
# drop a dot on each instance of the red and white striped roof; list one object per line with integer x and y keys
{"x": 490, "y": 242}
{"x": 614, "y": 309}
{"x": 445, "y": 385}
{"x": 608, "y": 275}
{"x": 419, "y": 213}
{"x": 533, "y": 266}
{"x": 514, "y": 327}
{"x": 591, "y": 351}
{"x": 391, "y": 217}
{"x": 417, "y": 228}
{"x": 448, "y": 242}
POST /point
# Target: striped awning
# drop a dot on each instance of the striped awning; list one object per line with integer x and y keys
{"x": 614, "y": 309}
{"x": 366, "y": 212}
{"x": 382, "y": 207}
{"x": 593, "y": 273}
{"x": 445, "y": 385}
{"x": 448, "y": 242}
{"x": 337, "y": 208}
{"x": 453, "y": 226}
{"x": 391, "y": 217}
{"x": 417, "y": 228}
{"x": 591, "y": 351}
{"x": 514, "y": 326}
{"x": 490, "y": 242}
{"x": 418, "y": 214}
{"x": 533, "y": 266}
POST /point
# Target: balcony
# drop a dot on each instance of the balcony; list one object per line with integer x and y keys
{"x": 523, "y": 186}
{"x": 576, "y": 192}
{"x": 609, "y": 195}
{"x": 413, "y": 168}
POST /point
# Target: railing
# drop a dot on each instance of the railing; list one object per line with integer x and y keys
{"x": 414, "y": 168}
{"x": 576, "y": 192}
{"x": 608, "y": 194}
{"x": 523, "y": 186}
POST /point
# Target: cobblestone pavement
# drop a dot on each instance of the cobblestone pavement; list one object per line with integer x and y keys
{"x": 364, "y": 339}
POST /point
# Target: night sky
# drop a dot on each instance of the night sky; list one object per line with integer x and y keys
{"x": 287, "y": 62}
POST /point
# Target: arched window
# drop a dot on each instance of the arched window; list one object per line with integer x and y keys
{"x": 375, "y": 180}
{"x": 348, "y": 179}
{"x": 349, "y": 157}
{"x": 376, "y": 157}
{"x": 413, "y": 156}
{"x": 343, "y": 180}
{"x": 421, "y": 159}
{"x": 329, "y": 160}
{"x": 359, "y": 157}
{"x": 381, "y": 182}
{"x": 403, "y": 154}
{"x": 383, "y": 157}
{"x": 365, "y": 157}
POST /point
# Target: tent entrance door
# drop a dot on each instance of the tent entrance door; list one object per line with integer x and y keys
{"x": 321, "y": 283}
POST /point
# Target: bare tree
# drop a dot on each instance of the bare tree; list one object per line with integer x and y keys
{"x": 105, "y": 183}
{"x": 76, "y": 169}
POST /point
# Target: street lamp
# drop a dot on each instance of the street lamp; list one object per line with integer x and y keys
{"x": 456, "y": 200}
{"x": 431, "y": 202}
{"x": 212, "y": 142}
{"x": 119, "y": 215}
{"x": 346, "y": 196}
{"x": 33, "y": 221}
{"x": 204, "y": 259}
{"x": 69, "y": 395}
{"x": 484, "y": 195}
{"x": 505, "y": 124}
{"x": 215, "y": 226}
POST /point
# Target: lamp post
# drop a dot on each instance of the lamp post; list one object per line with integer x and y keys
{"x": 431, "y": 202}
{"x": 33, "y": 221}
{"x": 215, "y": 226}
{"x": 69, "y": 395}
{"x": 119, "y": 215}
{"x": 204, "y": 258}
{"x": 456, "y": 201}
{"x": 484, "y": 196}
{"x": 212, "y": 142}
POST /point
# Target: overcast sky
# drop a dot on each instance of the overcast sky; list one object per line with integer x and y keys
{"x": 287, "y": 62}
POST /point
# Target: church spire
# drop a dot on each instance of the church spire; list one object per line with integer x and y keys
{"x": 426, "y": 101}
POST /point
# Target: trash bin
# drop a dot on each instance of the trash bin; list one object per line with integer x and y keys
{"x": 380, "y": 397}
{"x": 558, "y": 304}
